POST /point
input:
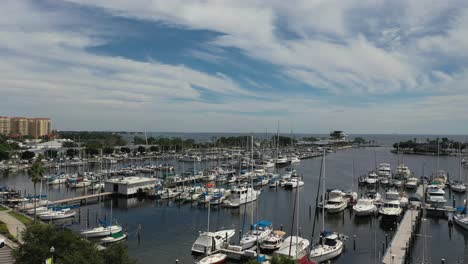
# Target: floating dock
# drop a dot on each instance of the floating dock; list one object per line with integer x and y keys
{"x": 399, "y": 247}
{"x": 81, "y": 199}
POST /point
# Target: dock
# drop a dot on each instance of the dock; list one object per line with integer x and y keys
{"x": 399, "y": 247}
{"x": 81, "y": 199}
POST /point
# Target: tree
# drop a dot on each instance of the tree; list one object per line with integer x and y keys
{"x": 51, "y": 153}
{"x": 69, "y": 248}
{"x": 153, "y": 148}
{"x": 27, "y": 155}
{"x": 36, "y": 172}
{"x": 72, "y": 152}
{"x": 125, "y": 150}
{"x": 359, "y": 140}
{"x": 108, "y": 150}
{"x": 69, "y": 144}
{"x": 141, "y": 149}
{"x": 4, "y": 155}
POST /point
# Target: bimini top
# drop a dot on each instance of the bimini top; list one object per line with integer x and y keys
{"x": 261, "y": 223}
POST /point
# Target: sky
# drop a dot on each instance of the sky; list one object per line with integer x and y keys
{"x": 311, "y": 66}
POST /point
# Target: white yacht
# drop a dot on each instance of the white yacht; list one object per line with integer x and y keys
{"x": 403, "y": 172}
{"x": 458, "y": 187}
{"x": 372, "y": 178}
{"x": 336, "y": 202}
{"x": 390, "y": 209}
{"x": 208, "y": 242}
{"x": 294, "y": 159}
{"x": 294, "y": 247}
{"x": 266, "y": 164}
{"x": 54, "y": 215}
{"x": 329, "y": 247}
{"x": 293, "y": 182}
{"x": 281, "y": 160}
{"x": 365, "y": 207}
{"x": 411, "y": 183}
{"x": 258, "y": 232}
{"x": 241, "y": 195}
{"x": 384, "y": 170}
{"x": 440, "y": 179}
{"x": 273, "y": 242}
{"x": 435, "y": 196}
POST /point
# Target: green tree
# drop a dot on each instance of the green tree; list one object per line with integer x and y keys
{"x": 69, "y": 144}
{"x": 116, "y": 254}
{"x": 36, "y": 173}
{"x": 108, "y": 150}
{"x": 153, "y": 148}
{"x": 125, "y": 150}
{"x": 27, "y": 155}
{"x": 72, "y": 152}
{"x": 141, "y": 149}
{"x": 51, "y": 153}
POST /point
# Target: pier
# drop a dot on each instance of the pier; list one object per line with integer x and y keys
{"x": 81, "y": 198}
{"x": 399, "y": 247}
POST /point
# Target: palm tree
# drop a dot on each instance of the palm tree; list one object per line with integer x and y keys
{"x": 36, "y": 172}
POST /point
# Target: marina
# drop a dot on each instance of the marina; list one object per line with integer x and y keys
{"x": 132, "y": 212}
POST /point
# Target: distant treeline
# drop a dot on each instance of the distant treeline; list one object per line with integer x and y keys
{"x": 94, "y": 139}
{"x": 430, "y": 146}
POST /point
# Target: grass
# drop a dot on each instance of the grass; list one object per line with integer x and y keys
{"x": 4, "y": 231}
{"x": 22, "y": 218}
{"x": 3, "y": 208}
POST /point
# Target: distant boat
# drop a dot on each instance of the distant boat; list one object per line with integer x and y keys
{"x": 365, "y": 207}
{"x": 104, "y": 229}
{"x": 294, "y": 182}
{"x": 217, "y": 258}
{"x": 61, "y": 214}
{"x": 336, "y": 202}
{"x": 208, "y": 242}
{"x": 273, "y": 242}
{"x": 258, "y": 232}
{"x": 119, "y": 236}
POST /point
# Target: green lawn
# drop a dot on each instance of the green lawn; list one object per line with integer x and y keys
{"x": 22, "y": 218}
{"x": 4, "y": 231}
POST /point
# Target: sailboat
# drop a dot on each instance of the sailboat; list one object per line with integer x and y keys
{"x": 458, "y": 186}
{"x": 209, "y": 242}
{"x": 294, "y": 247}
{"x": 330, "y": 244}
{"x": 462, "y": 219}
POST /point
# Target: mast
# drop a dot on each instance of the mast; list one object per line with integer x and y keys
{"x": 251, "y": 179}
{"x": 323, "y": 192}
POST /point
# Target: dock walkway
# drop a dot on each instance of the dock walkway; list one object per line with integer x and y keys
{"x": 81, "y": 198}
{"x": 398, "y": 249}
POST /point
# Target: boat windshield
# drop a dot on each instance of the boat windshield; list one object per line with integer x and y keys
{"x": 330, "y": 242}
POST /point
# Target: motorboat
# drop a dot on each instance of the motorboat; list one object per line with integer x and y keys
{"x": 266, "y": 164}
{"x": 440, "y": 179}
{"x": 281, "y": 160}
{"x": 294, "y": 159}
{"x": 461, "y": 220}
{"x": 395, "y": 195}
{"x": 384, "y": 170}
{"x": 119, "y": 236}
{"x": 397, "y": 183}
{"x": 217, "y": 258}
{"x": 365, "y": 207}
{"x": 374, "y": 196}
{"x": 458, "y": 187}
{"x": 336, "y": 202}
{"x": 402, "y": 172}
{"x": 411, "y": 183}
{"x": 258, "y": 232}
{"x": 293, "y": 182}
{"x": 208, "y": 242}
{"x": 273, "y": 242}
{"x": 390, "y": 209}
{"x": 61, "y": 214}
{"x": 294, "y": 247}
{"x": 372, "y": 178}
{"x": 435, "y": 196}
{"x": 329, "y": 247}
{"x": 241, "y": 195}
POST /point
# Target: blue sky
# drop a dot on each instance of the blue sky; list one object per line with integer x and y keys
{"x": 237, "y": 66}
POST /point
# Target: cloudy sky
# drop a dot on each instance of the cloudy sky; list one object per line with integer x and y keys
{"x": 237, "y": 66}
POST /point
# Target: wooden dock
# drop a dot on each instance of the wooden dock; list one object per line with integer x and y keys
{"x": 81, "y": 198}
{"x": 399, "y": 247}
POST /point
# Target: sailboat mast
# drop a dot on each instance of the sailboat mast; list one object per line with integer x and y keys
{"x": 251, "y": 179}
{"x": 323, "y": 192}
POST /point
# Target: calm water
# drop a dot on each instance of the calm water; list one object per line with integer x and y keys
{"x": 169, "y": 229}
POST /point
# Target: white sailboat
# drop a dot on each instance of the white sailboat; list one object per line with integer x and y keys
{"x": 330, "y": 244}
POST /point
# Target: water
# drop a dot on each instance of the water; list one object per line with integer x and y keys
{"x": 169, "y": 228}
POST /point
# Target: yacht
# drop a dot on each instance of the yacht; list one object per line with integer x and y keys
{"x": 294, "y": 247}
{"x": 403, "y": 172}
{"x": 461, "y": 220}
{"x": 384, "y": 170}
{"x": 293, "y": 182}
{"x": 411, "y": 183}
{"x": 374, "y": 196}
{"x": 329, "y": 247}
{"x": 435, "y": 196}
{"x": 266, "y": 164}
{"x": 365, "y": 207}
{"x": 208, "y": 242}
{"x": 294, "y": 159}
{"x": 440, "y": 179}
{"x": 258, "y": 232}
{"x": 241, "y": 195}
{"x": 458, "y": 187}
{"x": 273, "y": 242}
{"x": 61, "y": 214}
{"x": 372, "y": 178}
{"x": 282, "y": 160}
{"x": 390, "y": 210}
{"x": 395, "y": 195}
{"x": 336, "y": 202}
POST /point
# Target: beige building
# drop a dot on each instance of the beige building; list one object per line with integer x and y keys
{"x": 22, "y": 126}
{"x": 39, "y": 127}
{"x": 5, "y": 128}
